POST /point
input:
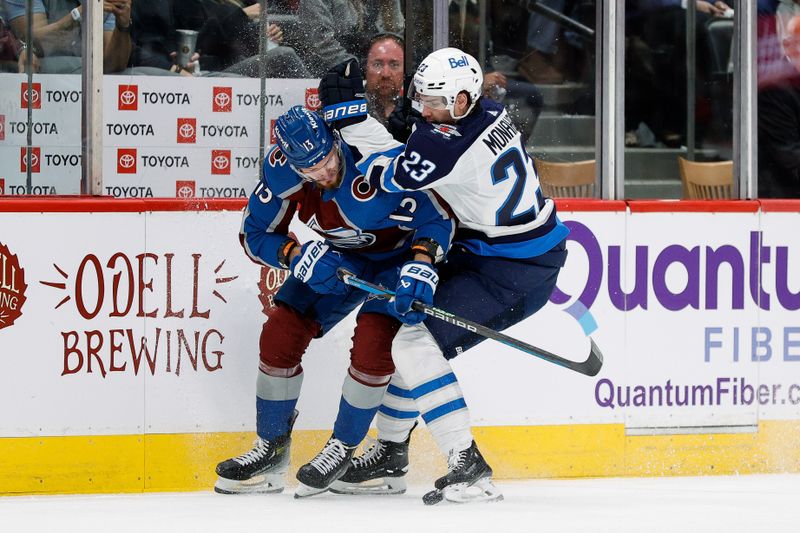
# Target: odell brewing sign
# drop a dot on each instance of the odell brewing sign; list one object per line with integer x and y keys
{"x": 122, "y": 288}
{"x": 12, "y": 287}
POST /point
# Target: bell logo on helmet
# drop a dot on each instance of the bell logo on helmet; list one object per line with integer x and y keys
{"x": 458, "y": 62}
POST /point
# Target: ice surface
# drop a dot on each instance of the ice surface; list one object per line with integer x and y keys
{"x": 724, "y": 504}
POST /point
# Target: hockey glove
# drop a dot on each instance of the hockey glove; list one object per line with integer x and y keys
{"x": 316, "y": 265}
{"x": 402, "y": 120}
{"x": 417, "y": 281}
{"x": 341, "y": 91}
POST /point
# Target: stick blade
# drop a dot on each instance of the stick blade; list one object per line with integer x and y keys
{"x": 594, "y": 362}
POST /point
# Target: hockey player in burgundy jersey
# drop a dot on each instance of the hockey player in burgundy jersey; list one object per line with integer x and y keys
{"x": 363, "y": 229}
{"x": 506, "y": 255}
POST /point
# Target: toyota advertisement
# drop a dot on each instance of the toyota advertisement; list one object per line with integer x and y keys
{"x": 157, "y": 137}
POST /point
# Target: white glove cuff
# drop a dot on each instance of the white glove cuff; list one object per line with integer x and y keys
{"x": 304, "y": 268}
{"x": 421, "y": 272}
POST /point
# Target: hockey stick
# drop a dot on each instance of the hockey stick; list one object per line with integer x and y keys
{"x": 590, "y": 367}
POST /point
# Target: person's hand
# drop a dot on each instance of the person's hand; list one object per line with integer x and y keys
{"x": 122, "y": 12}
{"x": 341, "y": 91}
{"x": 275, "y": 33}
{"x": 317, "y": 265}
{"x": 493, "y": 79}
{"x": 418, "y": 281}
{"x": 717, "y": 8}
{"x": 184, "y": 70}
{"x": 22, "y": 61}
{"x": 253, "y": 11}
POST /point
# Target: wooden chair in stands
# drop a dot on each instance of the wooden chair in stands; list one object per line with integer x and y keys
{"x": 706, "y": 181}
{"x": 567, "y": 180}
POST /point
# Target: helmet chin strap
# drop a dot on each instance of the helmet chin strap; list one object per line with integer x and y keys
{"x": 467, "y": 112}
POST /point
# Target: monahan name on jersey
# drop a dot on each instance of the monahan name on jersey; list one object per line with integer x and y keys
{"x": 357, "y": 216}
{"x": 479, "y": 167}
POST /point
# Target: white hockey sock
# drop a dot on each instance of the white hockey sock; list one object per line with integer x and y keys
{"x": 433, "y": 386}
{"x": 398, "y": 412}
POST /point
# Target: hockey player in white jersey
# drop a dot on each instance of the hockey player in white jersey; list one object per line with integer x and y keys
{"x": 508, "y": 250}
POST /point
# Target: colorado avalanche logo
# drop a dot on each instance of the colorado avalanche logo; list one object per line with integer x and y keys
{"x": 348, "y": 238}
{"x": 342, "y": 237}
{"x": 362, "y": 190}
{"x": 276, "y": 158}
{"x": 445, "y": 130}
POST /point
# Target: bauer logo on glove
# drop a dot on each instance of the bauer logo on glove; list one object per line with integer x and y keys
{"x": 418, "y": 281}
{"x": 316, "y": 265}
{"x": 345, "y": 110}
{"x": 305, "y": 262}
{"x": 341, "y": 91}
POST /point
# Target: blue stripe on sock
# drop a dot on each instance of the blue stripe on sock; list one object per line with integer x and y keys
{"x": 444, "y": 409}
{"x": 272, "y": 417}
{"x": 397, "y": 391}
{"x": 432, "y": 385}
{"x": 352, "y": 423}
{"x": 396, "y": 413}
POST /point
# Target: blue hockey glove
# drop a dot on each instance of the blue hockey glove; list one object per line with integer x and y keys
{"x": 417, "y": 281}
{"x": 316, "y": 265}
{"x": 341, "y": 91}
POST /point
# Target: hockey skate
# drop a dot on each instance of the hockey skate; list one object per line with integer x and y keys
{"x": 469, "y": 479}
{"x": 261, "y": 470}
{"x": 316, "y": 476}
{"x": 381, "y": 469}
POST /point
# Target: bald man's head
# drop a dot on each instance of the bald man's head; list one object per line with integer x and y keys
{"x": 385, "y": 68}
{"x": 791, "y": 41}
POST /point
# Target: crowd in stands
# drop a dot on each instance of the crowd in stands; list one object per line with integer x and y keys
{"x": 141, "y": 36}
{"x": 524, "y": 51}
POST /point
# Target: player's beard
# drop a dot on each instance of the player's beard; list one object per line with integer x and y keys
{"x": 330, "y": 183}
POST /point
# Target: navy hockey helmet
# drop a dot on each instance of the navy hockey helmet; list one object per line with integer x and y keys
{"x": 303, "y": 137}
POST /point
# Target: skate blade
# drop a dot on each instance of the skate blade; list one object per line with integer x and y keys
{"x": 381, "y": 487}
{"x": 481, "y": 491}
{"x": 263, "y": 484}
{"x": 304, "y": 491}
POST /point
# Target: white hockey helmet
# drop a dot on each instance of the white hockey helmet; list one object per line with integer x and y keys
{"x": 441, "y": 76}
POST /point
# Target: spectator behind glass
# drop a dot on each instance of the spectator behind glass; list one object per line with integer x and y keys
{"x": 541, "y": 63}
{"x": 227, "y": 42}
{"x": 10, "y": 47}
{"x": 334, "y": 31}
{"x": 57, "y": 33}
{"x": 655, "y": 95}
{"x": 523, "y": 100}
{"x": 779, "y": 125}
{"x": 384, "y": 75}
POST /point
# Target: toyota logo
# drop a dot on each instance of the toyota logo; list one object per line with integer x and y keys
{"x": 127, "y": 97}
{"x": 185, "y": 192}
{"x": 222, "y": 99}
{"x": 33, "y": 159}
{"x": 2, "y": 128}
{"x": 221, "y": 162}
{"x": 127, "y": 161}
{"x": 186, "y": 130}
{"x": 35, "y": 96}
{"x": 312, "y": 100}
